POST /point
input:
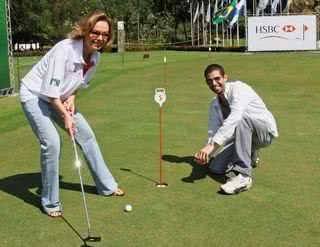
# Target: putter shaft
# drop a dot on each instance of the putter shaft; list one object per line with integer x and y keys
{"x": 82, "y": 189}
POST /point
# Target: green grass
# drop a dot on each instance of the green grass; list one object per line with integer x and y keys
{"x": 282, "y": 209}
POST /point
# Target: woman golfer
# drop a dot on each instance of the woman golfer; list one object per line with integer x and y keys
{"x": 48, "y": 95}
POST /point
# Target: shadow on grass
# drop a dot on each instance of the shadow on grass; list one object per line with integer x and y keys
{"x": 138, "y": 174}
{"x": 19, "y": 185}
{"x": 198, "y": 172}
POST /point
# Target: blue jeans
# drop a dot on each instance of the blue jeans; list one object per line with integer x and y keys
{"x": 41, "y": 116}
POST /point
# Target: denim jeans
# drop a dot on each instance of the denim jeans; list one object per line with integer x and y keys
{"x": 41, "y": 117}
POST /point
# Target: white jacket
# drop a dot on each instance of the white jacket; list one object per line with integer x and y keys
{"x": 243, "y": 101}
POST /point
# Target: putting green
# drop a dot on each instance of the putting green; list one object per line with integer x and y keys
{"x": 281, "y": 209}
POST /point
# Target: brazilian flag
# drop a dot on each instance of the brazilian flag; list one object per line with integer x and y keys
{"x": 223, "y": 13}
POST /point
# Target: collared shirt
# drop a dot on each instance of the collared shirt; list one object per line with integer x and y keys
{"x": 59, "y": 73}
{"x": 243, "y": 101}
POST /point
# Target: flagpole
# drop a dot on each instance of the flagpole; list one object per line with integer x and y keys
{"x": 222, "y": 27}
{"x": 203, "y": 27}
{"x": 216, "y": 25}
{"x": 198, "y": 31}
{"x": 246, "y": 24}
{"x": 228, "y": 30}
{"x": 238, "y": 38}
{"x": 230, "y": 36}
{"x": 217, "y": 34}
{"x": 222, "y": 34}
{"x": 191, "y": 22}
{"x": 210, "y": 38}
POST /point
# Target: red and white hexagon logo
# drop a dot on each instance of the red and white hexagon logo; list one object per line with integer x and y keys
{"x": 289, "y": 28}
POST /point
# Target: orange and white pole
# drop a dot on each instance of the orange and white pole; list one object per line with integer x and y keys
{"x": 160, "y": 97}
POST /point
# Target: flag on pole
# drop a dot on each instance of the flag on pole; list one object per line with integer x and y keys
{"x": 208, "y": 16}
{"x": 195, "y": 17}
{"x": 274, "y": 6}
{"x": 234, "y": 15}
{"x": 223, "y": 13}
{"x": 261, "y": 6}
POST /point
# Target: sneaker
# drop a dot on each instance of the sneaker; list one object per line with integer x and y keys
{"x": 237, "y": 184}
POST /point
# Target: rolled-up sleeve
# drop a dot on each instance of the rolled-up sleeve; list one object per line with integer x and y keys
{"x": 54, "y": 76}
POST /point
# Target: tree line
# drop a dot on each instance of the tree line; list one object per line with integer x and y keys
{"x": 148, "y": 21}
{"x": 145, "y": 20}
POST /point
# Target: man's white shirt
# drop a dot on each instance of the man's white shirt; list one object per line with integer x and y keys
{"x": 243, "y": 102}
{"x": 59, "y": 73}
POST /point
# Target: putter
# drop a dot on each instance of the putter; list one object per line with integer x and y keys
{"x": 89, "y": 238}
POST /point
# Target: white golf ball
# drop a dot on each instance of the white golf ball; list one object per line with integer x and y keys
{"x": 128, "y": 208}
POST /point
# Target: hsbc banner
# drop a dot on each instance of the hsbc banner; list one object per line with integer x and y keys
{"x": 282, "y": 33}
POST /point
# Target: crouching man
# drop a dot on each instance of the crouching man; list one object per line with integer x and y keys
{"x": 239, "y": 125}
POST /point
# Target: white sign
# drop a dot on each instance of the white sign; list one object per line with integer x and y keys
{"x": 160, "y": 96}
{"x": 282, "y": 33}
{"x": 121, "y": 25}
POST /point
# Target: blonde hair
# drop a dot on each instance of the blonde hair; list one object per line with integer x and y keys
{"x": 87, "y": 22}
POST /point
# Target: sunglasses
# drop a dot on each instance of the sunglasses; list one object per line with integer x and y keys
{"x": 96, "y": 34}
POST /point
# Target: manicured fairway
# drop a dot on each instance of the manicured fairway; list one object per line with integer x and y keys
{"x": 282, "y": 209}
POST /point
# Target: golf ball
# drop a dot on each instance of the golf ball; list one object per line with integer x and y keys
{"x": 128, "y": 208}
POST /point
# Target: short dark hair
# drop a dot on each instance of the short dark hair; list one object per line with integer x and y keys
{"x": 213, "y": 67}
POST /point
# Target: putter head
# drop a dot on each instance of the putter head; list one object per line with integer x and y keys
{"x": 92, "y": 239}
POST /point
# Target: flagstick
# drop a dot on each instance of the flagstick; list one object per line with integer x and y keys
{"x": 160, "y": 98}
{"x": 164, "y": 71}
{"x": 160, "y": 135}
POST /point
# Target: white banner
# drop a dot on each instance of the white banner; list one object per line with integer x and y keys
{"x": 282, "y": 33}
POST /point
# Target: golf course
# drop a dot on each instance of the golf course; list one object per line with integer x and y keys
{"x": 281, "y": 209}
